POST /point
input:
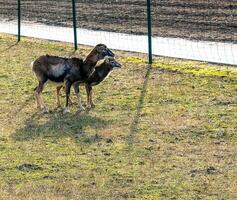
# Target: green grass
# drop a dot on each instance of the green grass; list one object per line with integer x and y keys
{"x": 166, "y": 132}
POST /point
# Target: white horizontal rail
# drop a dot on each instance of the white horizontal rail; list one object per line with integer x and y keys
{"x": 217, "y": 52}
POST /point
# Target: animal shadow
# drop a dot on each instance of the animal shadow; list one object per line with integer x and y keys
{"x": 56, "y": 125}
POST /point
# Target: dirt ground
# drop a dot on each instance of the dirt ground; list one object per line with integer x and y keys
{"x": 214, "y": 20}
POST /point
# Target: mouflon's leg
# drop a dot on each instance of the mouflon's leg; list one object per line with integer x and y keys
{"x": 68, "y": 85}
{"x": 77, "y": 91}
{"x": 90, "y": 103}
{"x": 58, "y": 95}
{"x": 39, "y": 99}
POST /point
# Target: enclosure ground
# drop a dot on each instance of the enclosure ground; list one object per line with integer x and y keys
{"x": 213, "y": 20}
{"x": 165, "y": 132}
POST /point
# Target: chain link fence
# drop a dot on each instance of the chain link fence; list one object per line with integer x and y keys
{"x": 197, "y": 29}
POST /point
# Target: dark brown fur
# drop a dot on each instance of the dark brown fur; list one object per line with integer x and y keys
{"x": 66, "y": 70}
{"x": 99, "y": 75}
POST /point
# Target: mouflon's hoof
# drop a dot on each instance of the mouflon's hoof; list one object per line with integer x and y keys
{"x": 81, "y": 108}
{"x": 92, "y": 105}
{"x": 44, "y": 110}
{"x": 66, "y": 110}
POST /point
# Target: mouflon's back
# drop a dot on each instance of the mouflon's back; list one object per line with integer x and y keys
{"x": 55, "y": 68}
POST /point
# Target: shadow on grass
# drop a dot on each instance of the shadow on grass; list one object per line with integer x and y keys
{"x": 23, "y": 106}
{"x": 56, "y": 125}
{"x": 9, "y": 47}
{"x": 136, "y": 119}
{"x": 72, "y": 53}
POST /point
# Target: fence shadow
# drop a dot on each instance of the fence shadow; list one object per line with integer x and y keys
{"x": 23, "y": 106}
{"x": 56, "y": 125}
{"x": 9, "y": 47}
{"x": 72, "y": 53}
{"x": 136, "y": 119}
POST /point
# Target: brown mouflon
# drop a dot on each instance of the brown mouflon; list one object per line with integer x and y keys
{"x": 66, "y": 71}
{"x": 101, "y": 72}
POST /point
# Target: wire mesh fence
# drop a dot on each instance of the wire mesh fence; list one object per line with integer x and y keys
{"x": 111, "y": 23}
{"x": 200, "y": 30}
{"x": 208, "y": 20}
{"x": 47, "y": 19}
{"x": 8, "y": 16}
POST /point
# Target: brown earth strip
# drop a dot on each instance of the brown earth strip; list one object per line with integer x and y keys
{"x": 213, "y": 20}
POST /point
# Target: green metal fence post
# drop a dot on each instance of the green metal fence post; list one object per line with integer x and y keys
{"x": 74, "y": 24}
{"x": 19, "y": 20}
{"x": 149, "y": 26}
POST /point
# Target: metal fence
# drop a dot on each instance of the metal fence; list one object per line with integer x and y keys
{"x": 196, "y": 29}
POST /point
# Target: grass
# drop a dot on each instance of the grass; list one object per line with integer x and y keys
{"x": 161, "y": 132}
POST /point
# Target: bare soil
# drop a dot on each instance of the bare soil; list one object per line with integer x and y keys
{"x": 214, "y": 20}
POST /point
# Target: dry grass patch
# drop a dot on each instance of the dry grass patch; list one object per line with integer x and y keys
{"x": 156, "y": 133}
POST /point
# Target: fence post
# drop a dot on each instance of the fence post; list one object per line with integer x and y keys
{"x": 19, "y": 20}
{"x": 149, "y": 26}
{"x": 74, "y": 24}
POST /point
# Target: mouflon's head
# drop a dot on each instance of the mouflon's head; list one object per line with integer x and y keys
{"x": 112, "y": 62}
{"x": 103, "y": 51}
